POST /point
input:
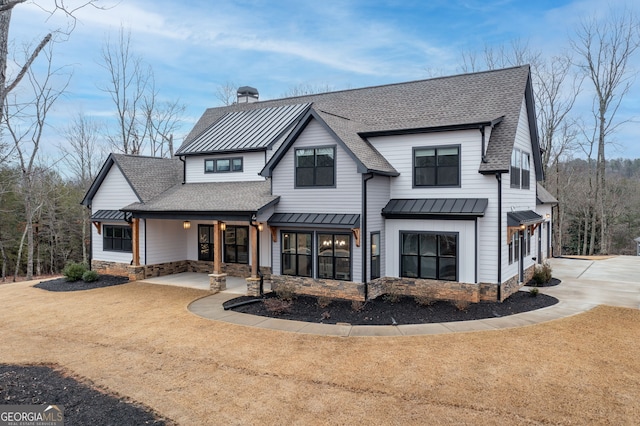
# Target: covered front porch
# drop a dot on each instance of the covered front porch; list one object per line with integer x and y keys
{"x": 234, "y": 285}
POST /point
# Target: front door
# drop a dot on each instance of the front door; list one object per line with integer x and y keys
{"x": 205, "y": 242}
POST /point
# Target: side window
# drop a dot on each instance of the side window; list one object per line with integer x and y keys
{"x": 236, "y": 244}
{"x": 116, "y": 238}
{"x": 429, "y": 255}
{"x": 334, "y": 256}
{"x": 515, "y": 168}
{"x": 526, "y": 172}
{"x": 375, "y": 255}
{"x": 296, "y": 253}
{"x": 439, "y": 166}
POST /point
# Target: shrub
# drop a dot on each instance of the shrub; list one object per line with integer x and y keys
{"x": 74, "y": 271}
{"x": 90, "y": 276}
{"x": 424, "y": 300}
{"x": 286, "y": 292}
{"x": 324, "y": 301}
{"x": 277, "y": 306}
{"x": 461, "y": 305}
{"x": 542, "y": 274}
{"x": 534, "y": 292}
{"x": 357, "y": 305}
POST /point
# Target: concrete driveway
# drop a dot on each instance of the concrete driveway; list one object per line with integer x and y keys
{"x": 614, "y": 281}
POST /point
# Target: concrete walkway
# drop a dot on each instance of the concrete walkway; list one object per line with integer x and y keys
{"x": 585, "y": 284}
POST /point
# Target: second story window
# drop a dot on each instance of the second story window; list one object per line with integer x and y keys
{"x": 315, "y": 167}
{"x": 438, "y": 166}
{"x": 515, "y": 168}
{"x": 520, "y": 170}
{"x": 526, "y": 171}
{"x": 223, "y": 165}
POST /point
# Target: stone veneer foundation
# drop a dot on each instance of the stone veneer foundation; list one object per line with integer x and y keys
{"x": 434, "y": 289}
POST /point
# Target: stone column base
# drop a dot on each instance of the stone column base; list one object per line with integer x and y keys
{"x": 253, "y": 287}
{"x": 217, "y": 282}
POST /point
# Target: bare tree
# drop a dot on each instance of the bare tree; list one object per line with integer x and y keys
{"x": 83, "y": 154}
{"x": 604, "y": 47}
{"x": 304, "y": 89}
{"x": 129, "y": 80}
{"x": 162, "y": 119}
{"x": 227, "y": 93}
{"x": 6, "y": 7}
{"x": 25, "y": 121}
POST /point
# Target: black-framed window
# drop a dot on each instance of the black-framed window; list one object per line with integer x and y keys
{"x": 116, "y": 238}
{"x": 375, "y": 255}
{"x": 436, "y": 166}
{"x": 236, "y": 244}
{"x": 297, "y": 253}
{"x": 526, "y": 170}
{"x": 315, "y": 166}
{"x": 429, "y": 255}
{"x": 334, "y": 256}
{"x": 205, "y": 242}
{"x": 223, "y": 165}
{"x": 527, "y": 241}
{"x": 516, "y": 160}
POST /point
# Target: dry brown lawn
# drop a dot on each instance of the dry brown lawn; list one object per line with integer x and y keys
{"x": 140, "y": 341}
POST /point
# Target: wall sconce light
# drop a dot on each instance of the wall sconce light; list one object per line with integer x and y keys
{"x": 186, "y": 224}
{"x": 260, "y": 227}
{"x": 522, "y": 227}
{"x": 223, "y": 226}
{"x": 547, "y": 215}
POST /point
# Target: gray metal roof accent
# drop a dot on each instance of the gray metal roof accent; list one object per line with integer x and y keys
{"x": 421, "y": 208}
{"x": 523, "y": 217}
{"x": 543, "y": 196}
{"x": 108, "y": 216}
{"x": 438, "y": 102}
{"x": 317, "y": 220}
{"x": 245, "y": 130}
{"x": 211, "y": 197}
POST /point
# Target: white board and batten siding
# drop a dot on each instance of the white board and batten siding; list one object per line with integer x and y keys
{"x": 114, "y": 194}
{"x": 517, "y": 199}
{"x": 398, "y": 150}
{"x": 252, "y": 165}
{"x": 344, "y": 198}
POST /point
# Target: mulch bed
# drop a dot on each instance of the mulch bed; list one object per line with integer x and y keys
{"x": 61, "y": 284}
{"x": 553, "y": 282}
{"x": 83, "y": 405}
{"x": 383, "y": 311}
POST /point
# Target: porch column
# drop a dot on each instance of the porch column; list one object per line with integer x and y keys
{"x": 217, "y": 245}
{"x": 135, "y": 241}
{"x": 254, "y": 251}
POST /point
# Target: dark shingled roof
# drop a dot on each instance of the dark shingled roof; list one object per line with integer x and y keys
{"x": 211, "y": 197}
{"x": 421, "y": 208}
{"x": 318, "y": 220}
{"x": 148, "y": 176}
{"x": 543, "y": 196}
{"x": 463, "y": 99}
{"x": 523, "y": 217}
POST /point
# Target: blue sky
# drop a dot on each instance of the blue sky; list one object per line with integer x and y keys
{"x": 196, "y": 46}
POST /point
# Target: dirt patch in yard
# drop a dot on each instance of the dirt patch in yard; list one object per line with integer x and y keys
{"x": 139, "y": 341}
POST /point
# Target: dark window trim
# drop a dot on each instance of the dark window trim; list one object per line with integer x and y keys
{"x": 436, "y": 147}
{"x": 121, "y": 239}
{"x": 457, "y": 257}
{"x": 215, "y": 165}
{"x": 317, "y": 255}
{"x": 525, "y": 183}
{"x": 371, "y": 274}
{"x": 236, "y": 245}
{"x": 314, "y": 186}
{"x": 311, "y": 255}
{"x": 209, "y": 244}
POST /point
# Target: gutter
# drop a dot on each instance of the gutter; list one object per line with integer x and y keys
{"x": 184, "y": 169}
{"x": 255, "y": 225}
{"x": 499, "y": 179}
{"x": 363, "y": 235}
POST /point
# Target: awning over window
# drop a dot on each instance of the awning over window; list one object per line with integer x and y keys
{"x": 316, "y": 220}
{"x": 435, "y": 208}
{"x": 523, "y": 217}
{"x": 109, "y": 216}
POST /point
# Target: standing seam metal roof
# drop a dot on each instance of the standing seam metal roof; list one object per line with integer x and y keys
{"x": 417, "y": 207}
{"x": 245, "y": 130}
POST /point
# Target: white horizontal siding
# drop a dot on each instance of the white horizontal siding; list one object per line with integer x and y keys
{"x": 166, "y": 241}
{"x": 466, "y": 243}
{"x": 344, "y": 198}
{"x": 108, "y": 256}
{"x": 378, "y": 190}
{"x": 252, "y": 164}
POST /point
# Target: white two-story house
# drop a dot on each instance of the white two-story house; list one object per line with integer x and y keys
{"x": 423, "y": 188}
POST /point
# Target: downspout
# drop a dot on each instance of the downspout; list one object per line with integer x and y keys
{"x": 90, "y": 241}
{"x": 484, "y": 158}
{"x": 476, "y": 256}
{"x": 363, "y": 234}
{"x": 499, "y": 179}
{"x": 184, "y": 173}
{"x": 145, "y": 242}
